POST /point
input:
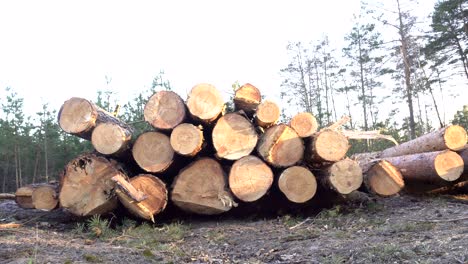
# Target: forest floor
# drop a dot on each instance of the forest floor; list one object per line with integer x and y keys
{"x": 402, "y": 229}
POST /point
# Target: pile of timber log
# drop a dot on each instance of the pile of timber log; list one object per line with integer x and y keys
{"x": 202, "y": 160}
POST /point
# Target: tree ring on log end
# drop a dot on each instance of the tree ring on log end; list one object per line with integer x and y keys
{"x": 449, "y": 165}
{"x": 455, "y": 137}
{"x": 331, "y": 145}
{"x": 345, "y": 176}
{"x": 108, "y": 138}
{"x": 77, "y": 115}
{"x": 298, "y": 184}
{"x": 164, "y": 110}
{"x": 385, "y": 179}
{"x": 153, "y": 152}
{"x": 205, "y": 102}
{"x": 186, "y": 139}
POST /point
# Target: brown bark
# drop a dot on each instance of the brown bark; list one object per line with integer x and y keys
{"x": 86, "y": 185}
{"x": 205, "y": 103}
{"x": 201, "y": 188}
{"x": 382, "y": 178}
{"x": 250, "y": 178}
{"x": 247, "y": 98}
{"x": 298, "y": 184}
{"x": 187, "y": 139}
{"x": 7, "y": 196}
{"x": 343, "y": 176}
{"x": 234, "y": 137}
{"x": 165, "y": 110}
{"x": 267, "y": 114}
{"x": 327, "y": 146}
{"x": 111, "y": 139}
{"x": 79, "y": 117}
{"x": 280, "y": 146}
{"x": 153, "y": 152}
{"x": 464, "y": 155}
{"x": 304, "y": 124}
{"x": 452, "y": 137}
{"x": 154, "y": 190}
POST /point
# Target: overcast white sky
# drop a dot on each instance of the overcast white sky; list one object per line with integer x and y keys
{"x": 53, "y": 50}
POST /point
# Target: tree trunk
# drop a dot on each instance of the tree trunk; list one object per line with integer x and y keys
{"x": 154, "y": 190}
{"x": 86, "y": 185}
{"x": 165, "y": 110}
{"x": 298, "y": 184}
{"x": 79, "y": 117}
{"x": 451, "y": 137}
{"x": 111, "y": 139}
{"x": 201, "y": 188}
{"x": 250, "y": 178}
{"x": 343, "y": 176}
{"x": 205, "y": 103}
{"x": 234, "y": 137}
{"x": 153, "y": 152}
{"x": 187, "y": 139}
{"x": 247, "y": 98}
{"x": 382, "y": 178}
{"x": 304, "y": 124}
{"x": 280, "y": 146}
{"x": 326, "y": 146}
{"x": 267, "y": 114}
{"x": 431, "y": 167}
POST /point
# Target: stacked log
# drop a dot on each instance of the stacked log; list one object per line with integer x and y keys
{"x": 43, "y": 196}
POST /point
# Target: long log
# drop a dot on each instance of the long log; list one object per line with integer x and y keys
{"x": 187, "y": 139}
{"x": 280, "y": 146}
{"x": 165, "y": 110}
{"x": 111, "y": 139}
{"x": 343, "y": 176}
{"x": 247, "y": 98}
{"x": 382, "y": 178}
{"x": 452, "y": 137}
{"x": 305, "y": 124}
{"x": 267, "y": 114}
{"x": 298, "y": 184}
{"x": 205, "y": 103}
{"x": 327, "y": 146}
{"x": 86, "y": 187}
{"x": 201, "y": 188}
{"x": 79, "y": 117}
{"x": 250, "y": 178}
{"x": 234, "y": 137}
{"x": 154, "y": 190}
{"x": 153, "y": 152}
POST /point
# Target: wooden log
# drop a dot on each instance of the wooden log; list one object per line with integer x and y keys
{"x": 267, "y": 114}
{"x": 154, "y": 190}
{"x": 280, "y": 146}
{"x": 24, "y": 196}
{"x": 431, "y": 167}
{"x": 187, "y": 139}
{"x": 304, "y": 124}
{"x": 111, "y": 139}
{"x": 452, "y": 137}
{"x": 45, "y": 197}
{"x": 205, "y": 102}
{"x": 165, "y": 110}
{"x": 343, "y": 176}
{"x": 7, "y": 196}
{"x": 382, "y": 178}
{"x": 79, "y": 117}
{"x": 250, "y": 178}
{"x": 247, "y": 98}
{"x": 234, "y": 137}
{"x": 201, "y": 188}
{"x": 327, "y": 146}
{"x": 298, "y": 184}
{"x": 153, "y": 152}
{"x": 464, "y": 155}
{"x": 86, "y": 187}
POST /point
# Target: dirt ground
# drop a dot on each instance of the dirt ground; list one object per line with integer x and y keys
{"x": 401, "y": 229}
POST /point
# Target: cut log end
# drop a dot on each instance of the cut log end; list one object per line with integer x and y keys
{"x": 298, "y": 184}
{"x": 186, "y": 139}
{"x": 164, "y": 110}
{"x": 205, "y": 102}
{"x": 267, "y": 114}
{"x": 77, "y": 115}
{"x": 305, "y": 124}
{"x": 455, "y": 137}
{"x": 109, "y": 138}
{"x": 45, "y": 197}
{"x": 384, "y": 179}
{"x": 329, "y": 145}
{"x": 247, "y": 98}
{"x": 449, "y": 165}
{"x": 234, "y": 137}
{"x": 345, "y": 176}
{"x": 24, "y": 197}
{"x": 250, "y": 178}
{"x": 153, "y": 152}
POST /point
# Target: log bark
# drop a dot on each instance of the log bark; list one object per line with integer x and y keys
{"x": 452, "y": 137}
{"x": 111, "y": 139}
{"x": 86, "y": 185}
{"x": 430, "y": 167}
{"x": 327, "y": 146}
{"x": 234, "y": 137}
{"x": 343, "y": 176}
{"x": 267, "y": 114}
{"x": 187, "y": 139}
{"x": 205, "y": 103}
{"x": 247, "y": 98}
{"x": 45, "y": 197}
{"x": 250, "y": 178}
{"x": 298, "y": 184}
{"x": 464, "y": 155}
{"x": 304, "y": 124}
{"x": 201, "y": 188}
{"x": 155, "y": 196}
{"x": 79, "y": 117}
{"x": 382, "y": 178}
{"x": 165, "y": 110}
{"x": 153, "y": 152}
{"x": 280, "y": 146}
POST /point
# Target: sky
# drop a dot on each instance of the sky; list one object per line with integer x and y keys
{"x": 53, "y": 50}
